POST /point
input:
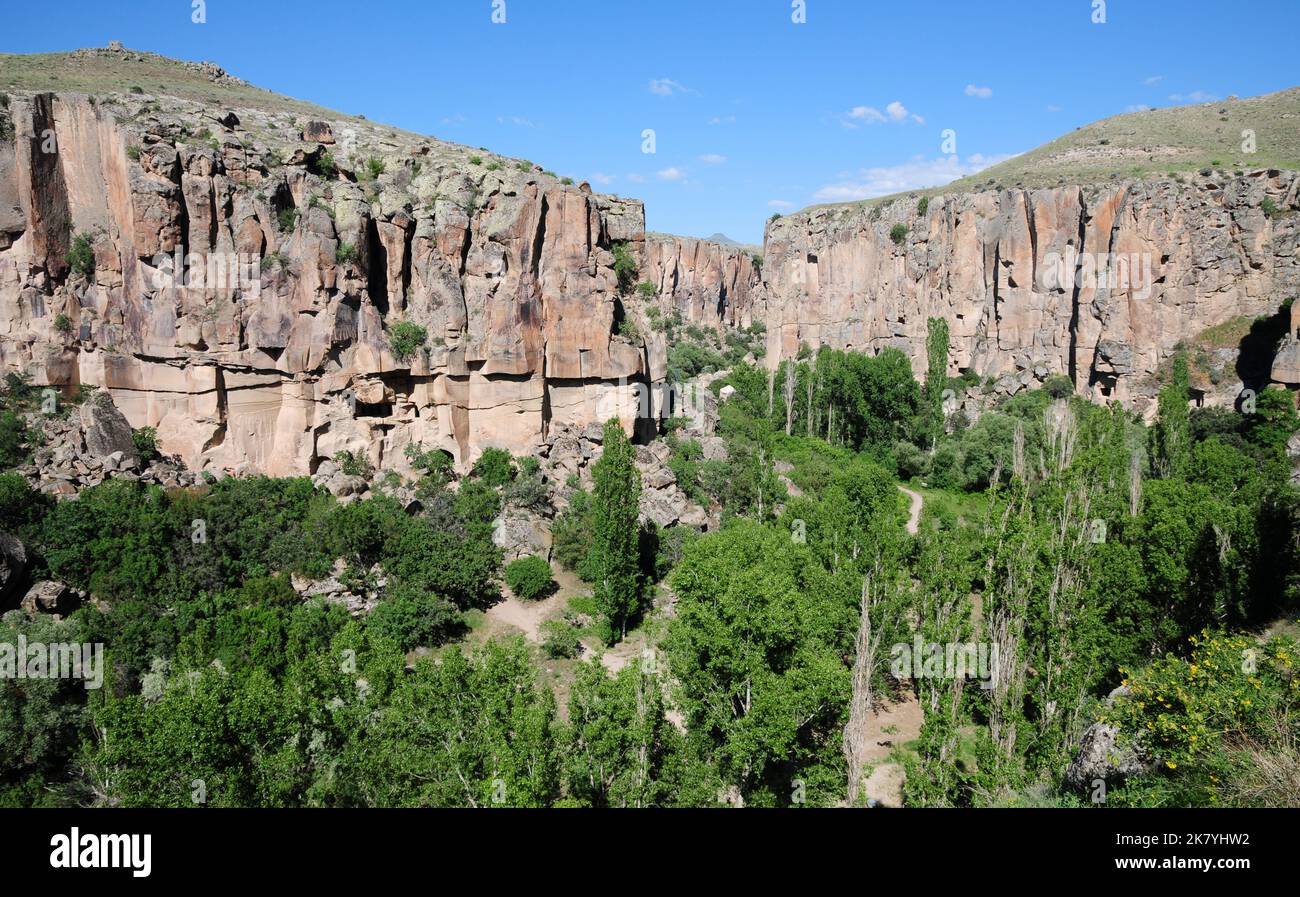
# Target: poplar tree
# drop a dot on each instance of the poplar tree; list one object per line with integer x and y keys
{"x": 615, "y": 552}
{"x": 1173, "y": 443}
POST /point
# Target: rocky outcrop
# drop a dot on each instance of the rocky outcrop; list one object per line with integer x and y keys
{"x": 705, "y": 283}
{"x": 1099, "y": 283}
{"x": 246, "y": 283}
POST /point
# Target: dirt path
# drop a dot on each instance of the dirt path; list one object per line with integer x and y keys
{"x": 529, "y": 616}
{"x": 914, "y": 518}
{"x": 893, "y": 725}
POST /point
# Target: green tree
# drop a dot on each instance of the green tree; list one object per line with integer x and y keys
{"x": 1173, "y": 426}
{"x": 936, "y": 350}
{"x": 615, "y": 552}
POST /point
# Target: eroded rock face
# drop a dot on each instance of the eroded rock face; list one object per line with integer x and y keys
{"x": 1009, "y": 271}
{"x": 246, "y": 284}
{"x": 704, "y": 282}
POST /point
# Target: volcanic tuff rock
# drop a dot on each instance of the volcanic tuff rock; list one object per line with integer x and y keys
{"x": 289, "y": 361}
{"x": 984, "y": 261}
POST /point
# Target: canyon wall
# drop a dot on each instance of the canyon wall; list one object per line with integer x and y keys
{"x": 250, "y": 268}
{"x": 1021, "y": 276}
{"x": 705, "y": 283}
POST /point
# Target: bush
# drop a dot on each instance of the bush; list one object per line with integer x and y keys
{"x": 322, "y": 166}
{"x": 345, "y": 254}
{"x": 146, "y": 443}
{"x": 647, "y": 291}
{"x": 625, "y": 267}
{"x": 494, "y": 467}
{"x": 475, "y": 160}
{"x": 81, "y": 256}
{"x": 63, "y": 324}
{"x": 406, "y": 338}
{"x": 898, "y": 233}
{"x": 1059, "y": 386}
{"x": 353, "y": 464}
{"x": 923, "y": 206}
{"x": 412, "y": 618}
{"x": 374, "y": 168}
{"x": 13, "y": 439}
{"x": 560, "y": 639}
{"x": 287, "y": 219}
{"x": 530, "y": 578}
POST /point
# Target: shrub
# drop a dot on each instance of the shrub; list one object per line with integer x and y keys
{"x": 494, "y": 467}
{"x": 374, "y": 168}
{"x": 475, "y": 160}
{"x": 287, "y": 219}
{"x": 145, "y": 440}
{"x": 81, "y": 256}
{"x": 525, "y": 166}
{"x": 560, "y": 639}
{"x": 647, "y": 291}
{"x": 1059, "y": 386}
{"x": 566, "y": 181}
{"x": 133, "y": 153}
{"x": 406, "y": 339}
{"x": 923, "y": 206}
{"x": 898, "y": 233}
{"x": 775, "y": 216}
{"x": 494, "y": 166}
{"x": 13, "y": 438}
{"x": 345, "y": 254}
{"x": 63, "y": 323}
{"x": 625, "y": 267}
{"x": 353, "y": 464}
{"x": 529, "y": 578}
{"x": 412, "y": 618}
{"x": 323, "y": 166}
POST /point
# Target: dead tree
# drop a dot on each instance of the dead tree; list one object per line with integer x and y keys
{"x": 862, "y": 704}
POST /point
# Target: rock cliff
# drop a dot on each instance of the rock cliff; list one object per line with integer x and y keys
{"x": 244, "y": 271}
{"x": 1097, "y": 282}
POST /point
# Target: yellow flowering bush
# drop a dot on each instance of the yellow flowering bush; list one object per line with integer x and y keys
{"x": 1177, "y": 709}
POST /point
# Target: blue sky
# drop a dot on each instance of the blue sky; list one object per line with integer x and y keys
{"x": 752, "y": 113}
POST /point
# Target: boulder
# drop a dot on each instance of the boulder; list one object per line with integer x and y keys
{"x": 47, "y": 597}
{"x": 13, "y": 564}
{"x": 106, "y": 430}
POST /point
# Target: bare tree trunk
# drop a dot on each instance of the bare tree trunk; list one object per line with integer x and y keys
{"x": 862, "y": 704}
{"x": 788, "y": 393}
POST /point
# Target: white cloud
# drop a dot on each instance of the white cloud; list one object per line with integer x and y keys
{"x": 913, "y": 175}
{"x": 666, "y": 87}
{"x": 1153, "y": 80}
{"x": 712, "y": 159}
{"x": 982, "y": 93}
{"x": 602, "y": 179}
{"x": 670, "y": 174}
{"x": 1052, "y": 107}
{"x": 723, "y": 120}
{"x": 779, "y": 204}
{"x": 517, "y": 121}
{"x": 457, "y": 119}
{"x": 894, "y": 112}
{"x": 636, "y": 178}
{"x": 1196, "y": 96}
{"x": 1137, "y": 107}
